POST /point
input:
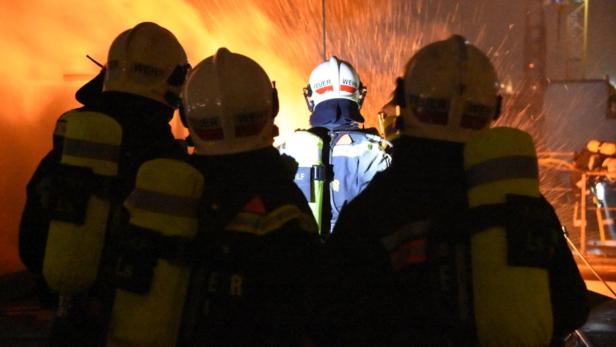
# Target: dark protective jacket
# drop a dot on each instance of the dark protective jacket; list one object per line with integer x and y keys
{"x": 258, "y": 240}
{"x": 352, "y": 155}
{"x": 146, "y": 135}
{"x": 373, "y": 303}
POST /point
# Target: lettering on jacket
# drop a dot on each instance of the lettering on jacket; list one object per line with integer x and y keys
{"x": 229, "y": 284}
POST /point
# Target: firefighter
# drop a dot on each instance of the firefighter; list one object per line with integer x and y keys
{"x": 420, "y": 257}
{"x": 336, "y": 157}
{"x": 78, "y": 189}
{"x": 256, "y": 234}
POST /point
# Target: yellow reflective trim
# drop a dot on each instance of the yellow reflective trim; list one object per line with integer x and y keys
{"x": 159, "y": 202}
{"x": 279, "y": 217}
{"x": 245, "y": 222}
{"x": 264, "y": 224}
{"x": 91, "y": 150}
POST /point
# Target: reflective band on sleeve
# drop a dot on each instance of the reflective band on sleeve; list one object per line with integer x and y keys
{"x": 163, "y": 203}
{"x": 263, "y": 224}
{"x": 91, "y": 150}
{"x": 406, "y": 232}
{"x": 351, "y": 151}
{"x": 501, "y": 169}
{"x": 280, "y": 217}
{"x": 245, "y": 222}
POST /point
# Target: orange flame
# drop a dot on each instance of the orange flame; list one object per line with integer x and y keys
{"x": 44, "y": 60}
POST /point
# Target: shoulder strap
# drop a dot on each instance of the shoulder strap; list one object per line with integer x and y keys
{"x": 326, "y": 211}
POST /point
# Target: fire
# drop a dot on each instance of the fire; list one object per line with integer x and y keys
{"x": 44, "y": 59}
{"x": 44, "y": 46}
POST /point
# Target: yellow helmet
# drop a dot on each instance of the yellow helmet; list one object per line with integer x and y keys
{"x": 147, "y": 60}
{"x": 449, "y": 91}
{"x": 229, "y": 105}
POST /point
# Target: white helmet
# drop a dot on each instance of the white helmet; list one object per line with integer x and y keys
{"x": 448, "y": 93}
{"x": 229, "y": 105}
{"x": 147, "y": 60}
{"x": 334, "y": 79}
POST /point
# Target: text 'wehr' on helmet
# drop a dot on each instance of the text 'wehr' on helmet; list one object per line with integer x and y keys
{"x": 229, "y": 105}
{"x": 148, "y": 61}
{"x": 334, "y": 79}
{"x": 449, "y": 91}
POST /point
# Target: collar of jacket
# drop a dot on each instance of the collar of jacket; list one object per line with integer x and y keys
{"x": 261, "y": 164}
{"x": 128, "y": 107}
{"x": 336, "y": 113}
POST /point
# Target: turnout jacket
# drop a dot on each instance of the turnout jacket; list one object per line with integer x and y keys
{"x": 376, "y": 301}
{"x": 351, "y": 155}
{"x": 257, "y": 242}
